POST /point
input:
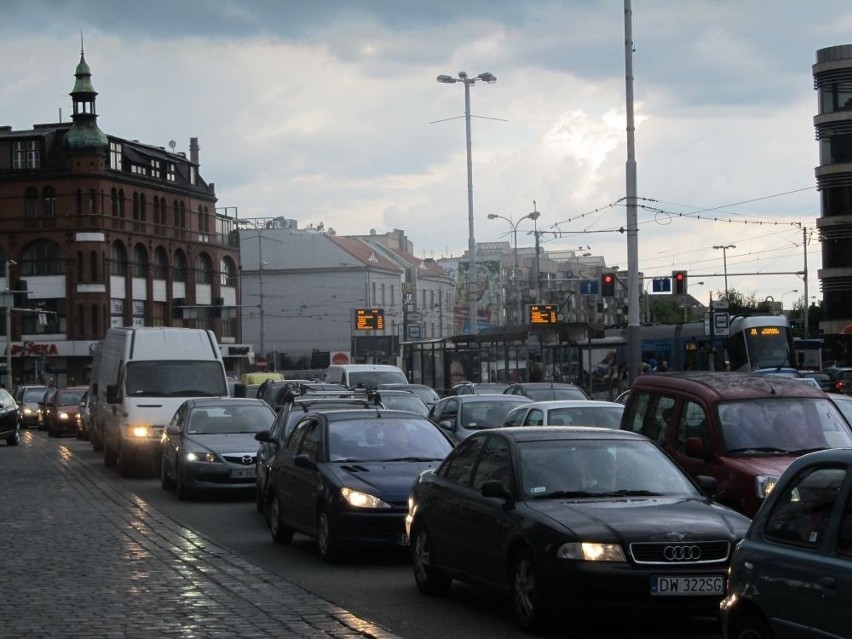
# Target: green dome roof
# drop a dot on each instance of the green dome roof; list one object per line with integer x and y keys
{"x": 86, "y": 137}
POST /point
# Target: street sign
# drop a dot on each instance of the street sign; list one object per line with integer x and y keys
{"x": 661, "y": 285}
{"x": 415, "y": 331}
{"x": 589, "y": 287}
{"x": 413, "y": 316}
{"x": 722, "y": 323}
{"x": 719, "y": 305}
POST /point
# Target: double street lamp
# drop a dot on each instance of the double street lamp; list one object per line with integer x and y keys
{"x": 516, "y": 290}
{"x": 471, "y": 242}
{"x": 724, "y": 250}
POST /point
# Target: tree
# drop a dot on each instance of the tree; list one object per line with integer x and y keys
{"x": 740, "y": 303}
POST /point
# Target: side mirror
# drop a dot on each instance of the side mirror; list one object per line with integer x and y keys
{"x": 695, "y": 448}
{"x": 495, "y": 488}
{"x": 707, "y": 484}
{"x": 448, "y": 425}
{"x": 264, "y": 436}
{"x": 303, "y": 461}
{"x": 239, "y": 390}
{"x": 172, "y": 429}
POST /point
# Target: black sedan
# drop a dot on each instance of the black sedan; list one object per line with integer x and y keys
{"x": 546, "y": 391}
{"x": 572, "y": 520}
{"x": 345, "y": 476}
{"x": 210, "y": 444}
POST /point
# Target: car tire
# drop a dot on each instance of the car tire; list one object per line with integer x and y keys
{"x": 110, "y": 456}
{"x": 751, "y": 626}
{"x": 259, "y": 498}
{"x": 97, "y": 442}
{"x": 281, "y": 533}
{"x": 329, "y": 547}
{"x": 166, "y": 482}
{"x": 529, "y": 600}
{"x": 124, "y": 462}
{"x": 430, "y": 579}
{"x": 181, "y": 490}
{"x": 15, "y": 438}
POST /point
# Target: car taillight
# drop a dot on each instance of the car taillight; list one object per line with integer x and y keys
{"x": 840, "y": 385}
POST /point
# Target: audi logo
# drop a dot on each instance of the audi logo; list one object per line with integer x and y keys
{"x": 682, "y": 553}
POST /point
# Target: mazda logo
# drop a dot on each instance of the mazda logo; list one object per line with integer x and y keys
{"x": 682, "y": 553}
{"x": 247, "y": 459}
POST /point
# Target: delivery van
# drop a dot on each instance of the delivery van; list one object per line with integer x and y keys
{"x": 144, "y": 375}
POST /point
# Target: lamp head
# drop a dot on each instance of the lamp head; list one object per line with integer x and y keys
{"x": 487, "y": 77}
{"x": 534, "y": 215}
{"x": 445, "y": 79}
{"x": 492, "y": 216}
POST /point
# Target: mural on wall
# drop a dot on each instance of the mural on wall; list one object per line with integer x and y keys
{"x": 489, "y": 295}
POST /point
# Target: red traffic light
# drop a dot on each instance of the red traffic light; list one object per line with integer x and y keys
{"x": 679, "y": 276}
{"x": 608, "y": 278}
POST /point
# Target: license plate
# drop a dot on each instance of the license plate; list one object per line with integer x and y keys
{"x": 243, "y": 473}
{"x": 688, "y": 586}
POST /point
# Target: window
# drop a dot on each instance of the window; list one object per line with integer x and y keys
{"x": 114, "y": 202}
{"x": 135, "y": 206}
{"x": 494, "y": 464}
{"x": 156, "y": 210}
{"x": 93, "y": 266}
{"x": 170, "y": 172}
{"x": 31, "y": 202}
{"x": 42, "y": 257}
{"x": 203, "y": 269}
{"x": 228, "y": 272}
{"x": 26, "y": 154}
{"x": 161, "y": 264}
{"x": 179, "y": 272}
{"x": 115, "y": 152}
{"x": 801, "y": 514}
{"x": 49, "y": 201}
{"x": 460, "y": 467}
{"x": 118, "y": 259}
{"x": 693, "y": 424}
{"x": 140, "y": 261}
{"x": 156, "y": 168}
{"x": 143, "y": 207}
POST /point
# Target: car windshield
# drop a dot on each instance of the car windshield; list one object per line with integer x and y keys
{"x": 782, "y": 425}
{"x": 175, "y": 378}
{"x": 33, "y": 395}
{"x": 569, "y": 468}
{"x": 374, "y": 378}
{"x": 605, "y": 416}
{"x": 408, "y": 402}
{"x": 546, "y": 394}
{"x": 486, "y": 413}
{"x": 66, "y": 398}
{"x": 224, "y": 420}
{"x": 386, "y": 439}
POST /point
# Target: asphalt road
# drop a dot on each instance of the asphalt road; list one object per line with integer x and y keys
{"x": 376, "y": 587}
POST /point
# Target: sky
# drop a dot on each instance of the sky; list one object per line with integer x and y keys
{"x": 328, "y": 112}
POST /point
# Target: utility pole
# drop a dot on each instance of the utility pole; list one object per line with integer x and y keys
{"x": 634, "y": 346}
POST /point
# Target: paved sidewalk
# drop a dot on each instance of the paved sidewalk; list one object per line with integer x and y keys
{"x": 139, "y": 574}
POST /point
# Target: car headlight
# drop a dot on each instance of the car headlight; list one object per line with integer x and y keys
{"x": 200, "y": 456}
{"x": 27, "y": 411}
{"x": 764, "y": 485}
{"x": 591, "y": 551}
{"x": 357, "y": 499}
{"x": 62, "y": 415}
{"x": 141, "y": 431}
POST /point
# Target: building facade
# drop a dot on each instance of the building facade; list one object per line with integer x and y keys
{"x": 100, "y": 231}
{"x": 833, "y": 123}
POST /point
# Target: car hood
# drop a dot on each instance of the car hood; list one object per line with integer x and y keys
{"x": 223, "y": 443}
{"x": 390, "y": 480}
{"x": 646, "y": 518}
{"x": 759, "y": 464}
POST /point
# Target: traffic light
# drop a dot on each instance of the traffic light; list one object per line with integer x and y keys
{"x": 679, "y": 280}
{"x": 608, "y": 285}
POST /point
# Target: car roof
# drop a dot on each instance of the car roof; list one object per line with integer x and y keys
{"x": 371, "y": 413}
{"x": 489, "y": 397}
{"x": 726, "y": 385}
{"x": 545, "y": 385}
{"x": 203, "y": 402}
{"x": 545, "y": 433}
{"x": 572, "y": 403}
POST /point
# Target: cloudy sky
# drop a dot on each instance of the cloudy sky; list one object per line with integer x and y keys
{"x": 328, "y": 111}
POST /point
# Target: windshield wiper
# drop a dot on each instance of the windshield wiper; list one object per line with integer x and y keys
{"x": 759, "y": 449}
{"x": 805, "y": 451}
{"x": 570, "y": 494}
{"x": 192, "y": 393}
{"x": 412, "y": 459}
{"x": 629, "y": 493}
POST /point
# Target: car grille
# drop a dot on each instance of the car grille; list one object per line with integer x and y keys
{"x": 697, "y": 552}
{"x": 241, "y": 459}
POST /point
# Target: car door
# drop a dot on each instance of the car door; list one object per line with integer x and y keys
{"x": 484, "y": 523}
{"x": 299, "y": 487}
{"x": 8, "y": 412}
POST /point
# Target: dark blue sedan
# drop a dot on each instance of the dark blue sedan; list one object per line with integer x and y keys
{"x": 345, "y": 476}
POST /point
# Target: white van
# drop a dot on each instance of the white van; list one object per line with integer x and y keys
{"x": 364, "y": 375}
{"x": 145, "y": 374}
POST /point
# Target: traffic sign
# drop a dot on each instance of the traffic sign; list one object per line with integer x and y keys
{"x": 719, "y": 305}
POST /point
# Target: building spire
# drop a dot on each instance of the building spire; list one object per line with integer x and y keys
{"x": 84, "y": 134}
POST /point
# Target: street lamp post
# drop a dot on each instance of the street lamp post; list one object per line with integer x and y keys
{"x": 795, "y": 290}
{"x": 471, "y": 242}
{"x": 9, "y": 326}
{"x": 515, "y": 289}
{"x": 724, "y": 250}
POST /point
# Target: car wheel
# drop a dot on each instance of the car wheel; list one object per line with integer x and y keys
{"x": 15, "y": 438}
{"x": 429, "y": 578}
{"x": 181, "y": 490}
{"x": 327, "y": 539}
{"x": 110, "y": 456}
{"x": 259, "y": 498}
{"x": 281, "y": 532}
{"x": 528, "y": 596}
{"x": 124, "y": 462}
{"x": 751, "y": 626}
{"x": 97, "y": 442}
{"x": 166, "y": 482}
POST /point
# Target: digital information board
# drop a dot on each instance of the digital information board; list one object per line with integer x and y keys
{"x": 369, "y": 319}
{"x": 543, "y": 313}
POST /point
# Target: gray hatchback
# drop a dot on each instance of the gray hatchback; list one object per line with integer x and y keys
{"x": 792, "y": 574}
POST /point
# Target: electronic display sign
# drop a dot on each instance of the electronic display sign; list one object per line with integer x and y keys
{"x": 762, "y": 331}
{"x": 543, "y": 313}
{"x": 369, "y": 319}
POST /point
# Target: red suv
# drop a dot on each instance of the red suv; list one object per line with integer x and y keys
{"x": 742, "y": 429}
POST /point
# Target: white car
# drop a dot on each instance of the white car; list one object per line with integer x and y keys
{"x": 567, "y": 412}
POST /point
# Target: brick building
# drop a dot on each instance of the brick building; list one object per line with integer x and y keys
{"x": 103, "y": 231}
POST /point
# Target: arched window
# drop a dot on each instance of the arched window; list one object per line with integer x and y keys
{"x": 179, "y": 270}
{"x": 176, "y": 214}
{"x": 143, "y": 207}
{"x": 161, "y": 263}
{"x": 135, "y": 205}
{"x": 49, "y": 201}
{"x": 156, "y": 210}
{"x": 93, "y": 202}
{"x": 140, "y": 261}
{"x": 31, "y": 202}
{"x": 182, "y": 215}
{"x": 203, "y": 269}
{"x": 93, "y": 266}
{"x": 228, "y": 272}
{"x": 121, "y": 203}
{"x": 114, "y": 202}
{"x": 42, "y": 257}
{"x": 118, "y": 259}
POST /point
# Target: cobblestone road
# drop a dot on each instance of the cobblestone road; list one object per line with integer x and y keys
{"x": 81, "y": 558}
